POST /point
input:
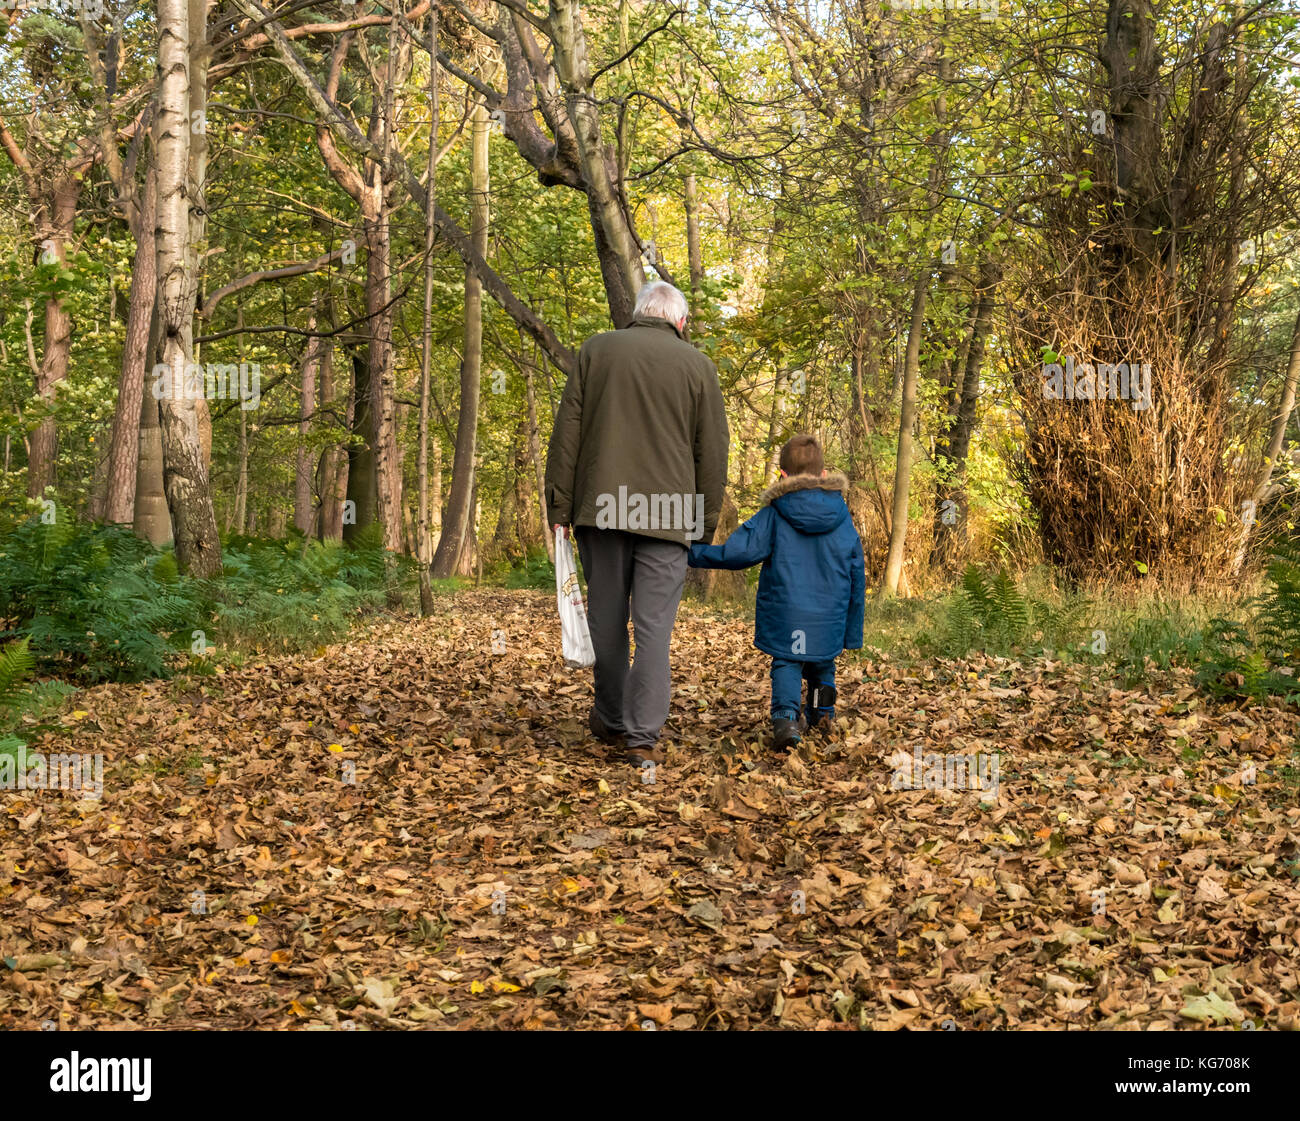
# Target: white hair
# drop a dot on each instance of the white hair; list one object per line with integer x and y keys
{"x": 660, "y": 300}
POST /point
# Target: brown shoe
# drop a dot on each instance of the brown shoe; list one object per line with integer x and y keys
{"x": 640, "y": 756}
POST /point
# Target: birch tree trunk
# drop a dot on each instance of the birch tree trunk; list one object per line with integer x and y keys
{"x": 185, "y": 476}
{"x": 383, "y": 388}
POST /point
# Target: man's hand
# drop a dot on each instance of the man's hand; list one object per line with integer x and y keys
{"x": 563, "y": 527}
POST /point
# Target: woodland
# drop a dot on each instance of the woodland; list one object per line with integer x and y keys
{"x": 289, "y": 294}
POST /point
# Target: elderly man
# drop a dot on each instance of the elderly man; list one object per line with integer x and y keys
{"x": 637, "y": 465}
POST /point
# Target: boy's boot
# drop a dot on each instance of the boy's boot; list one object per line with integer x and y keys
{"x": 821, "y": 705}
{"x": 785, "y": 734}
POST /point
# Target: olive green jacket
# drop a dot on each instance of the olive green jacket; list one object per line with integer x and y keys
{"x": 640, "y": 440}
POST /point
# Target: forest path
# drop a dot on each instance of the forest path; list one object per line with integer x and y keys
{"x": 411, "y": 829}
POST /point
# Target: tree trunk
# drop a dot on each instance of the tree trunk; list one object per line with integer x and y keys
{"x": 303, "y": 513}
{"x": 380, "y": 378}
{"x": 952, "y": 536}
{"x": 694, "y": 255}
{"x": 124, "y": 447}
{"x": 1277, "y": 436}
{"x": 616, "y": 247}
{"x": 906, "y": 421}
{"x": 238, "y": 519}
{"x": 435, "y": 492}
{"x": 459, "y": 503}
{"x": 506, "y": 534}
{"x": 332, "y": 469}
{"x": 43, "y": 445}
{"x": 151, "y": 518}
{"x": 362, "y": 479}
{"x": 535, "y": 454}
{"x": 424, "y": 539}
{"x": 189, "y": 493}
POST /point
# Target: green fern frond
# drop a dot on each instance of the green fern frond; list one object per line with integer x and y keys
{"x": 16, "y": 666}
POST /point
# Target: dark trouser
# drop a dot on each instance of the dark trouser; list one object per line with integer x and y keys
{"x": 788, "y": 676}
{"x": 650, "y": 573}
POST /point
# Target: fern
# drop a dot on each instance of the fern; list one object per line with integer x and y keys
{"x": 962, "y": 626}
{"x": 997, "y": 616}
{"x": 16, "y": 665}
{"x": 1010, "y": 618}
{"x": 976, "y": 591}
{"x": 1259, "y": 660}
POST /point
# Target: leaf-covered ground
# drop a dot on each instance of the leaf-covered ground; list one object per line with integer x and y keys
{"x": 489, "y": 865}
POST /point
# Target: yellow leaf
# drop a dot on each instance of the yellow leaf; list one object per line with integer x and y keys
{"x": 279, "y": 957}
{"x": 251, "y": 920}
{"x": 504, "y": 987}
{"x": 477, "y": 987}
{"x": 296, "y": 1008}
{"x": 570, "y": 885}
{"x": 336, "y": 747}
{"x": 80, "y": 714}
{"x": 354, "y": 729}
{"x": 603, "y": 786}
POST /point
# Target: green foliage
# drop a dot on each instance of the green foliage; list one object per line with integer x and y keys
{"x": 295, "y": 592}
{"x": 95, "y": 603}
{"x": 88, "y": 600}
{"x": 537, "y": 571}
{"x": 16, "y": 665}
{"x": 19, "y": 700}
{"x": 997, "y": 616}
{"x": 1262, "y": 659}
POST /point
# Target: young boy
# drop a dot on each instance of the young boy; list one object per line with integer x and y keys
{"x": 812, "y": 589}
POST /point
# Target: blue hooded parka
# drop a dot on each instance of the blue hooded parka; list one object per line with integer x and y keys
{"x": 812, "y": 589}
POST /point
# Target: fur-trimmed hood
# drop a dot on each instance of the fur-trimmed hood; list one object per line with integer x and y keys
{"x": 833, "y": 480}
{"x": 810, "y": 503}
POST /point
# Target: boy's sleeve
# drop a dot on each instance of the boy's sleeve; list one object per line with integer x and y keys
{"x": 857, "y": 596}
{"x": 751, "y": 544}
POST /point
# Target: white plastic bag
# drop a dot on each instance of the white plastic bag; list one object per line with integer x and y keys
{"x": 576, "y": 638}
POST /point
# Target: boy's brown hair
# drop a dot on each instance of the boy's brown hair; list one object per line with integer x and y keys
{"x": 802, "y": 455}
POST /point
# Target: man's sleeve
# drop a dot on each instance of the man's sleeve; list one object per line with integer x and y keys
{"x": 857, "y": 596}
{"x": 562, "y": 456}
{"x": 751, "y": 544}
{"x": 712, "y": 445}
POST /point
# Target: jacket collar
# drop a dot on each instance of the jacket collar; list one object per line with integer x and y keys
{"x": 656, "y": 322}
{"x": 834, "y": 480}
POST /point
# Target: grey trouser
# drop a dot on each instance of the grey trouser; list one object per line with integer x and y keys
{"x": 620, "y": 566}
